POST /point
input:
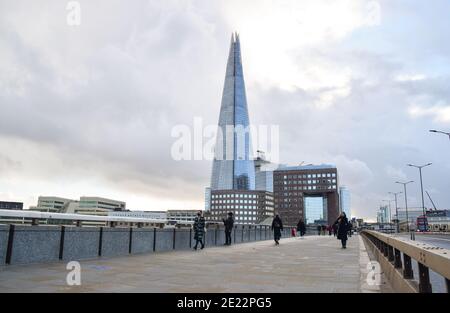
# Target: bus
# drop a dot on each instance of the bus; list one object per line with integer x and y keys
{"x": 422, "y": 223}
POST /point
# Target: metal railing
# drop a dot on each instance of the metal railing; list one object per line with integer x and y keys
{"x": 427, "y": 257}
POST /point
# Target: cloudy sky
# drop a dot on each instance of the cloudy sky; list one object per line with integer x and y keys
{"x": 89, "y": 109}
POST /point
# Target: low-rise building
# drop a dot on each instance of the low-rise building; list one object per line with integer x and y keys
{"x": 51, "y": 204}
{"x": 181, "y": 216}
{"x": 247, "y": 206}
{"x": 7, "y": 205}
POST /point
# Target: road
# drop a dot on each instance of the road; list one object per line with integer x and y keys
{"x": 438, "y": 240}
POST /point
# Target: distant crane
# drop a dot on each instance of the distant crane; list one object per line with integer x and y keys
{"x": 431, "y": 200}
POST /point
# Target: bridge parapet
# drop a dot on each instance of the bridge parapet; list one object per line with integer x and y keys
{"x": 22, "y": 244}
{"x": 395, "y": 256}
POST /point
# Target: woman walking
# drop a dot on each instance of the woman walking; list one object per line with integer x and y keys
{"x": 277, "y": 227}
{"x": 199, "y": 230}
{"x": 342, "y": 229}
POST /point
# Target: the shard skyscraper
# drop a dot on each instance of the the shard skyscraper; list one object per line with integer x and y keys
{"x": 233, "y": 165}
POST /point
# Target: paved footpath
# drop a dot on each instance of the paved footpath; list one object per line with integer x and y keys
{"x": 311, "y": 264}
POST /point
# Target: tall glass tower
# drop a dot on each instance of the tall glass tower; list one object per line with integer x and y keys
{"x": 233, "y": 165}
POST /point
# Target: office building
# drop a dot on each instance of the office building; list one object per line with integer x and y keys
{"x": 383, "y": 215}
{"x": 7, "y": 205}
{"x": 51, "y": 204}
{"x": 264, "y": 181}
{"x": 248, "y": 206}
{"x": 292, "y": 184}
{"x": 180, "y": 216}
{"x": 344, "y": 201}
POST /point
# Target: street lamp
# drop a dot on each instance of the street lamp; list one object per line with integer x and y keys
{"x": 406, "y": 201}
{"x": 440, "y": 132}
{"x": 421, "y": 184}
{"x": 396, "y": 207}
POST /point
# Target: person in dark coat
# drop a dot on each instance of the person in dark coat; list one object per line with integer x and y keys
{"x": 342, "y": 229}
{"x": 199, "y": 230}
{"x": 350, "y": 226}
{"x": 277, "y": 227}
{"x": 319, "y": 229}
{"x": 334, "y": 230}
{"x": 330, "y": 230}
{"x": 228, "y": 223}
{"x": 301, "y": 227}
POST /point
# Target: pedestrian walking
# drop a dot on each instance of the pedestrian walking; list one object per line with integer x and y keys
{"x": 277, "y": 227}
{"x": 350, "y": 229}
{"x": 199, "y": 230}
{"x": 319, "y": 229}
{"x": 301, "y": 228}
{"x": 228, "y": 223}
{"x": 342, "y": 229}
{"x": 330, "y": 230}
{"x": 334, "y": 230}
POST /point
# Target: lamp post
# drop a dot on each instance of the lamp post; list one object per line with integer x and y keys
{"x": 396, "y": 207}
{"x": 421, "y": 184}
{"x": 440, "y": 132}
{"x": 406, "y": 201}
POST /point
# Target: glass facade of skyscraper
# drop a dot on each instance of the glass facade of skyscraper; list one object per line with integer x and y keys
{"x": 233, "y": 165}
{"x": 314, "y": 209}
{"x": 344, "y": 200}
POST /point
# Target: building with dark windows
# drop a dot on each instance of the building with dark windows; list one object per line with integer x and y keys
{"x": 310, "y": 192}
{"x": 247, "y": 206}
{"x": 6, "y": 205}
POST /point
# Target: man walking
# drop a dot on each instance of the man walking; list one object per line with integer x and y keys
{"x": 229, "y": 222}
{"x": 199, "y": 230}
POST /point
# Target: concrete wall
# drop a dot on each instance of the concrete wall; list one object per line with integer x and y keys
{"x": 164, "y": 240}
{"x": 183, "y": 239}
{"x": 36, "y": 244}
{"x": 115, "y": 241}
{"x": 142, "y": 240}
{"x": 4, "y": 230}
{"x": 81, "y": 243}
{"x": 236, "y": 236}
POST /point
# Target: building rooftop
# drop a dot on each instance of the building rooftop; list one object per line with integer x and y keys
{"x": 306, "y": 167}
